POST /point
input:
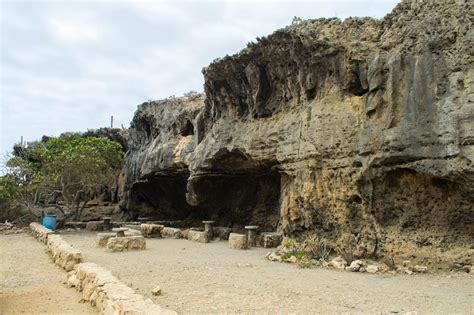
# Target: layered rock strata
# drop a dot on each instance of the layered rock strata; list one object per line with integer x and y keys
{"x": 360, "y": 132}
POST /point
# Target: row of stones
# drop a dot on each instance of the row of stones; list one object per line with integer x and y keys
{"x": 158, "y": 230}
{"x": 237, "y": 241}
{"x": 108, "y": 294}
{"x": 40, "y": 232}
{"x": 123, "y": 239}
{"x": 63, "y": 254}
{"x": 130, "y": 239}
{"x": 97, "y": 284}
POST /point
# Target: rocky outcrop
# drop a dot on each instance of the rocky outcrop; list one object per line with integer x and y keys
{"x": 161, "y": 141}
{"x": 360, "y": 132}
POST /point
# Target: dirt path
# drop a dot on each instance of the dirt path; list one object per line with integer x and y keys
{"x": 211, "y": 278}
{"x": 30, "y": 283}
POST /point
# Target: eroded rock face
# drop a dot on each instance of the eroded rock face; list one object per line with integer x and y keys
{"x": 161, "y": 141}
{"x": 361, "y": 132}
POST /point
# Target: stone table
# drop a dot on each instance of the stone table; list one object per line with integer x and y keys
{"x": 120, "y": 231}
{"x": 143, "y": 219}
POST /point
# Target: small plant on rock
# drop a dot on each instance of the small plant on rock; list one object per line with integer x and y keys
{"x": 287, "y": 255}
{"x": 347, "y": 256}
{"x": 321, "y": 251}
{"x": 300, "y": 255}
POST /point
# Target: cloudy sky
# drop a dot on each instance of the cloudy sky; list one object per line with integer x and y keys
{"x": 69, "y": 66}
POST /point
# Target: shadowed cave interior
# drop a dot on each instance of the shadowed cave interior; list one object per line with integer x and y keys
{"x": 236, "y": 193}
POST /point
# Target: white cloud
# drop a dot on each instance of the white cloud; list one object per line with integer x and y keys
{"x": 73, "y": 31}
{"x": 70, "y": 65}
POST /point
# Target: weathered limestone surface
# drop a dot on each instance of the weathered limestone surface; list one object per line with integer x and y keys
{"x": 270, "y": 239}
{"x": 169, "y": 232}
{"x": 63, "y": 254}
{"x": 151, "y": 230}
{"x": 133, "y": 232}
{"x": 103, "y": 238}
{"x": 360, "y": 132}
{"x": 198, "y": 236}
{"x": 156, "y": 165}
{"x": 124, "y": 243}
{"x": 40, "y": 232}
{"x": 100, "y": 288}
{"x": 237, "y": 241}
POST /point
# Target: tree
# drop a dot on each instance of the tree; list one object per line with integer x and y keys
{"x": 296, "y": 20}
{"x": 65, "y": 172}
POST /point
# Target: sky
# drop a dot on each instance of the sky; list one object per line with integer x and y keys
{"x": 70, "y": 65}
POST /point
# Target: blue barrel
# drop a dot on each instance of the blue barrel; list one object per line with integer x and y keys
{"x": 49, "y": 221}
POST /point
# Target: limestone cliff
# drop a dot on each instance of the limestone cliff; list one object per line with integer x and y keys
{"x": 358, "y": 131}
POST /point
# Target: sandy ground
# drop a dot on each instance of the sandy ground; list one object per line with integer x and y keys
{"x": 30, "y": 283}
{"x": 211, "y": 278}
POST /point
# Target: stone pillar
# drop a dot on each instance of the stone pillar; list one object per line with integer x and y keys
{"x": 251, "y": 235}
{"x": 107, "y": 225}
{"x": 208, "y": 229}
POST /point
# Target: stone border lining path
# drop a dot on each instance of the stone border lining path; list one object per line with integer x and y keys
{"x": 63, "y": 254}
{"x": 97, "y": 284}
{"x": 108, "y": 294}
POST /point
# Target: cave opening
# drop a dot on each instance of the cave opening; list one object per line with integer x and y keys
{"x": 187, "y": 129}
{"x": 237, "y": 192}
{"x": 240, "y": 199}
{"x": 162, "y": 197}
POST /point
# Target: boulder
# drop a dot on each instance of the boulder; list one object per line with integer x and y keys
{"x": 372, "y": 268}
{"x": 198, "y": 236}
{"x": 103, "y": 238}
{"x": 355, "y": 265}
{"x": 272, "y": 256}
{"x": 338, "y": 263}
{"x": 237, "y": 241}
{"x": 151, "y": 230}
{"x": 169, "y": 232}
{"x": 270, "y": 239}
{"x": 119, "y": 244}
